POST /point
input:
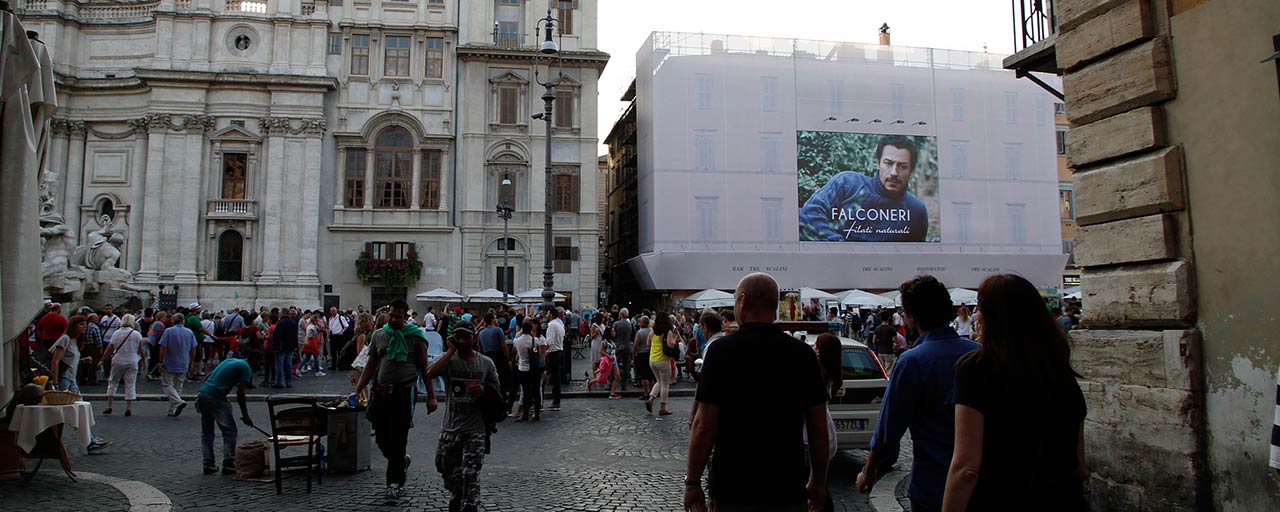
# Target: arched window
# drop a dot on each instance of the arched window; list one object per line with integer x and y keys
{"x": 393, "y": 168}
{"x": 230, "y": 255}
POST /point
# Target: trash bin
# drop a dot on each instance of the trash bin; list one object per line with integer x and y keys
{"x": 348, "y": 445}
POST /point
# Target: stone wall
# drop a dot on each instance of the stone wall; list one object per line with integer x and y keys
{"x": 1140, "y": 352}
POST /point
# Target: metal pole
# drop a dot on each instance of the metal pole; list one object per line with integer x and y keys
{"x": 548, "y": 272}
{"x": 506, "y": 247}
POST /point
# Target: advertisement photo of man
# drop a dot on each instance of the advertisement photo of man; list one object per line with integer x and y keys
{"x": 876, "y": 207}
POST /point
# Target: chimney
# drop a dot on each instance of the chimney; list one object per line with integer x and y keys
{"x": 884, "y": 34}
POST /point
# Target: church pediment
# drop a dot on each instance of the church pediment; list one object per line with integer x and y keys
{"x": 509, "y": 78}
{"x": 235, "y": 133}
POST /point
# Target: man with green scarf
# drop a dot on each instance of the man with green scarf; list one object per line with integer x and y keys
{"x": 398, "y": 355}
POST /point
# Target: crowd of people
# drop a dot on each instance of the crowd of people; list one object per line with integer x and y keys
{"x": 949, "y": 374}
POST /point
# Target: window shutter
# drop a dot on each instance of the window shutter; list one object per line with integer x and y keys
{"x": 574, "y": 253}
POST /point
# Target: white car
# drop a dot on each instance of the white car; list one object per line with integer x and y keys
{"x": 856, "y": 410}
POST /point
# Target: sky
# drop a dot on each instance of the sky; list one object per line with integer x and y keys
{"x": 950, "y": 24}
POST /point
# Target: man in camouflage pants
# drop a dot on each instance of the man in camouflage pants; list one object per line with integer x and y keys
{"x": 460, "y": 455}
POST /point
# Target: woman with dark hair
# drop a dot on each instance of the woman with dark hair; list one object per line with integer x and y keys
{"x": 66, "y": 354}
{"x": 1019, "y": 442}
{"x": 530, "y": 374}
{"x": 829, "y": 359}
{"x": 664, "y": 333}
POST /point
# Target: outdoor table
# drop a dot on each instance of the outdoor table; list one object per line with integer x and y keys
{"x": 38, "y": 429}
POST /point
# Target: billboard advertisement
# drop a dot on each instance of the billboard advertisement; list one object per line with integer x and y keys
{"x": 866, "y": 187}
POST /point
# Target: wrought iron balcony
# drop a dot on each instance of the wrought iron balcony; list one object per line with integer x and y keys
{"x": 232, "y": 209}
{"x": 1035, "y": 30}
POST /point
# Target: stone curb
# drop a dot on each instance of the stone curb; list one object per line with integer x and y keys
{"x": 261, "y": 397}
{"x": 884, "y": 495}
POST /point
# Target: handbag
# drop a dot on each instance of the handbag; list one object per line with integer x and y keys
{"x": 669, "y": 351}
{"x": 536, "y": 362}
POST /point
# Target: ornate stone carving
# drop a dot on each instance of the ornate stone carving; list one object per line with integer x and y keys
{"x": 103, "y": 248}
{"x": 138, "y": 125}
{"x": 158, "y": 121}
{"x": 286, "y": 125}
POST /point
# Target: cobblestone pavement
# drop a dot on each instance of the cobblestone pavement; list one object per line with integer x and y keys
{"x": 595, "y": 455}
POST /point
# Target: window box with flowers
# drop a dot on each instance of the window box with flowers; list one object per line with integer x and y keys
{"x": 391, "y": 272}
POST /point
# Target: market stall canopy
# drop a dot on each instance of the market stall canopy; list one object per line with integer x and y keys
{"x": 1071, "y": 292}
{"x": 861, "y": 299}
{"x": 963, "y": 297}
{"x": 709, "y": 298}
{"x": 895, "y": 296}
{"x": 807, "y": 294}
{"x": 535, "y": 297}
{"x": 490, "y": 295}
{"x": 439, "y": 295}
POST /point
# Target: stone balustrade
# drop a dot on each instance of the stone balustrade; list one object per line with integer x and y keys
{"x": 247, "y": 6}
{"x": 308, "y": 8}
{"x": 232, "y": 209}
{"x": 112, "y": 12}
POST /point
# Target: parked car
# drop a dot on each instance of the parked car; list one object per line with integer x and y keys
{"x": 856, "y": 409}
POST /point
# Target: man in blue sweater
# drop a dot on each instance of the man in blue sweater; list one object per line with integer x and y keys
{"x": 854, "y": 207}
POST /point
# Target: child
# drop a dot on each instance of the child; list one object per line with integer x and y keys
{"x": 311, "y": 351}
{"x": 607, "y": 371}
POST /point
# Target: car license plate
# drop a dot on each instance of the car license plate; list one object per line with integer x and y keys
{"x": 853, "y": 425}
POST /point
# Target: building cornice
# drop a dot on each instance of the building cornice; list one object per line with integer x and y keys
{"x": 591, "y": 59}
{"x": 375, "y": 24}
{"x": 146, "y": 77}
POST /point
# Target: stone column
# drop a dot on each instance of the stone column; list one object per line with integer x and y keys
{"x": 155, "y": 125}
{"x": 368, "y": 179}
{"x": 308, "y": 269}
{"x": 74, "y": 178}
{"x": 137, "y": 176}
{"x": 341, "y": 200}
{"x": 414, "y": 202}
{"x": 271, "y": 202}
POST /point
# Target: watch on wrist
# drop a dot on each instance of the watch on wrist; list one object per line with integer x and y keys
{"x": 692, "y": 482}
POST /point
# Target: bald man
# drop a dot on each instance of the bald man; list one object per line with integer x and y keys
{"x": 750, "y": 475}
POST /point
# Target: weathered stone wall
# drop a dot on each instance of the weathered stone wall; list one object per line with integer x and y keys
{"x": 1140, "y": 352}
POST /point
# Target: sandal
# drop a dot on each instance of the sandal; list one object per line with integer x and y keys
{"x": 664, "y": 413}
{"x": 648, "y": 405}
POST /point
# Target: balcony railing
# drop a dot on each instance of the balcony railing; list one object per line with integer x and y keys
{"x": 247, "y": 6}
{"x": 508, "y": 40}
{"x": 232, "y": 209}
{"x": 1033, "y": 22}
{"x": 308, "y": 8}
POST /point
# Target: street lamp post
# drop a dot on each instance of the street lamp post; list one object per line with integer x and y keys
{"x": 505, "y": 207}
{"x": 548, "y": 48}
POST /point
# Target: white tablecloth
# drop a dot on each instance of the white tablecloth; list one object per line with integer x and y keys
{"x": 30, "y": 420}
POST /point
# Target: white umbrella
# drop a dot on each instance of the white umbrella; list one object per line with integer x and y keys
{"x": 807, "y": 294}
{"x": 1071, "y": 293}
{"x": 894, "y": 296}
{"x": 861, "y": 299}
{"x": 535, "y": 296}
{"x": 439, "y": 295}
{"x": 489, "y": 295}
{"x": 963, "y": 297}
{"x": 709, "y": 298}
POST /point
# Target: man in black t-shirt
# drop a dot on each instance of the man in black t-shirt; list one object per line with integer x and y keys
{"x": 885, "y": 336}
{"x": 760, "y": 461}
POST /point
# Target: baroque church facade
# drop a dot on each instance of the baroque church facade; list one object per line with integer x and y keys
{"x": 275, "y": 153}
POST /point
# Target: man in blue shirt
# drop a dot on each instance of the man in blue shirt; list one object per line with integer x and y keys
{"x": 177, "y": 349}
{"x": 284, "y": 339}
{"x": 214, "y": 409}
{"x": 918, "y": 397}
{"x": 855, "y": 207}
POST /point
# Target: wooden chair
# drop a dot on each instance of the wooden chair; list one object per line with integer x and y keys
{"x": 296, "y": 422}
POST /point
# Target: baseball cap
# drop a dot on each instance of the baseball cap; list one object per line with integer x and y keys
{"x": 86, "y": 310}
{"x": 464, "y": 329}
{"x": 48, "y": 301}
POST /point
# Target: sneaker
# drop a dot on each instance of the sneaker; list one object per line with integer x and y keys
{"x": 209, "y": 470}
{"x": 321, "y": 374}
{"x": 392, "y": 495}
{"x": 96, "y": 445}
{"x": 615, "y": 396}
{"x": 178, "y": 410}
{"x": 228, "y": 470}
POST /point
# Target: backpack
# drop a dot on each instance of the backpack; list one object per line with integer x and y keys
{"x": 669, "y": 351}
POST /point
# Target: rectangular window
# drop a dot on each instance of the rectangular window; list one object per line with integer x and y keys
{"x": 435, "y": 57}
{"x": 506, "y": 279}
{"x": 768, "y": 93}
{"x": 957, "y": 104}
{"x": 563, "y": 255}
{"x": 393, "y": 172}
{"x": 402, "y": 250}
{"x": 960, "y": 158}
{"x": 1069, "y": 248}
{"x": 772, "y": 208}
{"x": 235, "y": 168}
{"x": 379, "y": 250}
{"x": 704, "y": 148}
{"x": 1059, "y": 108}
{"x": 509, "y": 2}
{"x": 702, "y": 91}
{"x": 964, "y": 222}
{"x": 508, "y": 34}
{"x": 835, "y": 97}
{"x": 431, "y": 170}
{"x": 1062, "y": 142}
{"x": 353, "y": 187}
{"x": 396, "y": 53}
{"x": 898, "y": 93}
{"x": 708, "y": 212}
{"x": 1013, "y": 161}
{"x": 564, "y": 109}
{"x": 1017, "y": 223}
{"x": 508, "y": 105}
{"x": 335, "y": 44}
{"x": 360, "y": 54}
{"x": 564, "y": 13}
{"x": 1011, "y": 108}
{"x": 435, "y": 3}
{"x": 770, "y": 149}
{"x": 564, "y": 193}
{"x": 1067, "y": 200}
